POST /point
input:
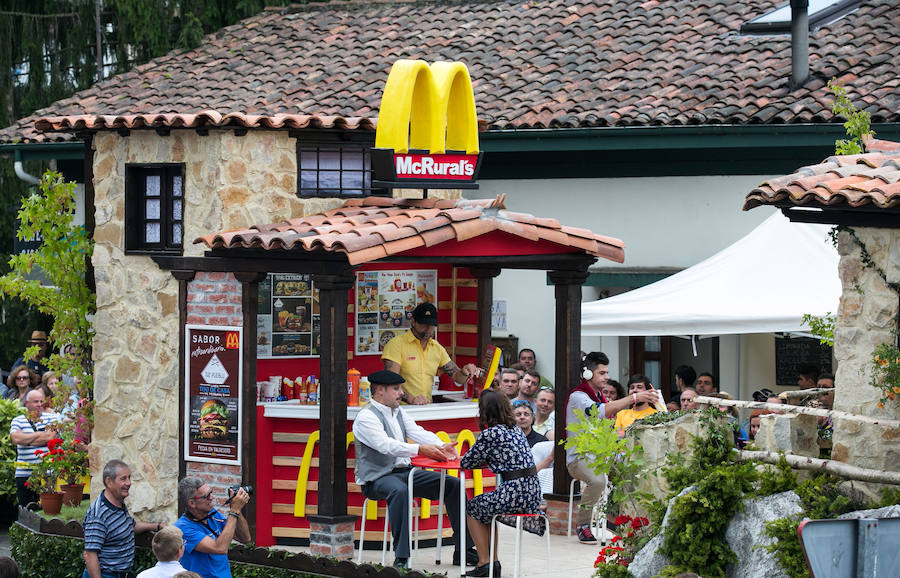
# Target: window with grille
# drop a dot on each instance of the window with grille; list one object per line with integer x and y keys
{"x": 337, "y": 169}
{"x": 154, "y": 207}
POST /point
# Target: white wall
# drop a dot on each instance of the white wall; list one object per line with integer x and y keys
{"x": 664, "y": 222}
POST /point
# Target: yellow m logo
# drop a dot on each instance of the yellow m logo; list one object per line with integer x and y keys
{"x": 428, "y": 108}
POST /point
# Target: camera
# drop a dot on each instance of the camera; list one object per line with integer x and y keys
{"x": 232, "y": 490}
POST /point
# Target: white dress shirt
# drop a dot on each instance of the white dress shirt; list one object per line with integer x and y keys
{"x": 368, "y": 430}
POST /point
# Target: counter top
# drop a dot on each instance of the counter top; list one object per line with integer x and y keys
{"x": 456, "y": 408}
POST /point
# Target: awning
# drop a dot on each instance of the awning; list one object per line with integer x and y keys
{"x": 763, "y": 283}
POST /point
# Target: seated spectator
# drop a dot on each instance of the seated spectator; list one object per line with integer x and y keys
{"x": 687, "y": 399}
{"x": 545, "y": 419}
{"x": 755, "y": 421}
{"x": 168, "y": 547}
{"x": 826, "y": 380}
{"x": 525, "y": 420}
{"x": 509, "y": 382}
{"x": 528, "y": 388}
{"x": 613, "y": 390}
{"x": 21, "y": 379}
{"x": 640, "y": 409}
{"x": 502, "y": 448}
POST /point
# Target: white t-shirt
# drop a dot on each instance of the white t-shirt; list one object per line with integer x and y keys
{"x": 162, "y": 570}
{"x": 578, "y": 402}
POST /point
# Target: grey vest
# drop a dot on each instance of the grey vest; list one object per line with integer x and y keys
{"x": 370, "y": 463}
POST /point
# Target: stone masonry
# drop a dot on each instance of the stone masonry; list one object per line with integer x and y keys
{"x": 230, "y": 181}
{"x": 866, "y": 316}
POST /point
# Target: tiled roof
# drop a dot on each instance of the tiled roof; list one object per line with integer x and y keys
{"x": 548, "y": 64}
{"x": 377, "y": 227}
{"x": 869, "y": 179}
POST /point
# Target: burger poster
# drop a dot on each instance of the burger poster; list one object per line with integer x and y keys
{"x": 212, "y": 404}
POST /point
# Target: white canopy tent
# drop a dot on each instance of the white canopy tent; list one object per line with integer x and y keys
{"x": 763, "y": 283}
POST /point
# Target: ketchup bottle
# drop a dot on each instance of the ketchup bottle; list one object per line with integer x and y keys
{"x": 352, "y": 387}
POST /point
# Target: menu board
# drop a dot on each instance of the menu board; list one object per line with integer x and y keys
{"x": 287, "y": 321}
{"x": 212, "y": 409}
{"x": 384, "y": 304}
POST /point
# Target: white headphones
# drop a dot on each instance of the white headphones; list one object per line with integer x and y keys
{"x": 587, "y": 373}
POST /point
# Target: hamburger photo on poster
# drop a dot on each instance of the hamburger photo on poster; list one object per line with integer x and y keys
{"x": 213, "y": 400}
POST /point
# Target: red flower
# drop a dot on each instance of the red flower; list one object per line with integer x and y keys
{"x": 38, "y": 452}
{"x": 629, "y": 535}
{"x": 621, "y": 520}
{"x": 54, "y": 443}
{"x": 639, "y": 523}
{"x": 615, "y": 539}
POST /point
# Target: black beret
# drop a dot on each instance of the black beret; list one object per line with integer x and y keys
{"x": 426, "y": 314}
{"x": 385, "y": 377}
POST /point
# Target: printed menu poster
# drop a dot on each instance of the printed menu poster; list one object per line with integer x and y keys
{"x": 287, "y": 317}
{"x": 212, "y": 409}
{"x": 384, "y": 304}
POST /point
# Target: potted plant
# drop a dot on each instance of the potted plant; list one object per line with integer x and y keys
{"x": 73, "y": 464}
{"x": 45, "y": 476}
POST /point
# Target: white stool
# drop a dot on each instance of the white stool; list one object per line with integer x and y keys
{"x": 518, "y": 541}
{"x": 387, "y": 544}
{"x": 597, "y": 512}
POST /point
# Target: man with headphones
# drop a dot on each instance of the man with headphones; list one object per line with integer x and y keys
{"x": 587, "y": 398}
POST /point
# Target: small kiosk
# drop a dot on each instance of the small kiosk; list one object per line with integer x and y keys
{"x": 321, "y": 294}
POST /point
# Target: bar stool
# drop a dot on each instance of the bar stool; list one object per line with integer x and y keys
{"x": 600, "y": 505}
{"x": 387, "y": 544}
{"x": 518, "y": 540}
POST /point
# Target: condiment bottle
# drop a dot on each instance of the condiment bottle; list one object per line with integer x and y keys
{"x": 300, "y": 391}
{"x": 365, "y": 391}
{"x": 352, "y": 387}
{"x": 312, "y": 396}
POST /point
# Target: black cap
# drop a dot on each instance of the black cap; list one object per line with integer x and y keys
{"x": 762, "y": 394}
{"x": 385, "y": 377}
{"x": 426, "y": 314}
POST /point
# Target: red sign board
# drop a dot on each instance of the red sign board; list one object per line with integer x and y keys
{"x": 213, "y": 367}
{"x": 427, "y": 166}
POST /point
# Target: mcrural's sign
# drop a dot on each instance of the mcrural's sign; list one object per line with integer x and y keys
{"x": 427, "y": 130}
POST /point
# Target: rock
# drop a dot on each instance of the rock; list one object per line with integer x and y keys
{"x": 746, "y": 534}
{"x": 886, "y": 512}
{"x": 650, "y": 560}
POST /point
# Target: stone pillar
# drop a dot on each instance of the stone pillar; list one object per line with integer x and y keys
{"x": 867, "y": 314}
{"x": 568, "y": 363}
{"x": 334, "y": 539}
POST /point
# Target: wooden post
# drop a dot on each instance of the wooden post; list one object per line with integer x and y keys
{"x": 183, "y": 276}
{"x": 485, "y": 276}
{"x": 249, "y": 307}
{"x": 568, "y": 362}
{"x": 333, "y": 303}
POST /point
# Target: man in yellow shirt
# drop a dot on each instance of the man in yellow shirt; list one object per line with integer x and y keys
{"x": 417, "y": 356}
{"x": 626, "y": 417}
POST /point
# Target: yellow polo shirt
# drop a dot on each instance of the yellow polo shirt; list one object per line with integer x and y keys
{"x": 626, "y": 417}
{"x": 417, "y": 367}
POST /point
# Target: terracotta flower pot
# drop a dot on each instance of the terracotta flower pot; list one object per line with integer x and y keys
{"x": 72, "y": 494}
{"x": 51, "y": 504}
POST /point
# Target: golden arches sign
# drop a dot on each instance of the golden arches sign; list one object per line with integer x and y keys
{"x": 427, "y": 126}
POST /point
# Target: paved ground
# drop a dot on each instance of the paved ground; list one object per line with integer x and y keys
{"x": 568, "y": 557}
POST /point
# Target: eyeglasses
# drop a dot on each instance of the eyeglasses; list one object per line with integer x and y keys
{"x": 521, "y": 403}
{"x": 22, "y": 377}
{"x": 546, "y": 388}
{"x": 206, "y": 497}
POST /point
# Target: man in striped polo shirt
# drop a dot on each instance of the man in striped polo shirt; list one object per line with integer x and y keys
{"x": 31, "y": 432}
{"x": 109, "y": 529}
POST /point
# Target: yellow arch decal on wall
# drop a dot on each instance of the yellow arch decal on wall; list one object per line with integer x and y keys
{"x": 303, "y": 475}
{"x": 427, "y": 108}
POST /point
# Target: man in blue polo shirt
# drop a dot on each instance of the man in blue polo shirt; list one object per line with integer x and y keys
{"x": 109, "y": 529}
{"x": 207, "y": 532}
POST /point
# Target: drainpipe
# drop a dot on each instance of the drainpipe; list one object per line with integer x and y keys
{"x": 799, "y": 42}
{"x": 20, "y": 171}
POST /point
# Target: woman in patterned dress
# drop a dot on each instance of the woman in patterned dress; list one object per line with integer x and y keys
{"x": 502, "y": 448}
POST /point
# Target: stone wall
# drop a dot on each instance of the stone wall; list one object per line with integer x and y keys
{"x": 230, "y": 182}
{"x": 866, "y": 316}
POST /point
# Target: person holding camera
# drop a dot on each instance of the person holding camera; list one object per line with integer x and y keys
{"x": 207, "y": 531}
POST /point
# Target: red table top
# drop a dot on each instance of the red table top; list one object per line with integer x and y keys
{"x": 425, "y": 462}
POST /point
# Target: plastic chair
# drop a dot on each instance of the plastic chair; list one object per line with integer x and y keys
{"x": 597, "y": 512}
{"x": 518, "y": 541}
{"x": 386, "y": 543}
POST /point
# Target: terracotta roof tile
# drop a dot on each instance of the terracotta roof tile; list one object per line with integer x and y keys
{"x": 394, "y": 226}
{"x": 555, "y": 63}
{"x": 869, "y": 179}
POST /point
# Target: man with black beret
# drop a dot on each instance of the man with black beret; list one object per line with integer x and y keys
{"x": 417, "y": 356}
{"x": 380, "y": 432}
